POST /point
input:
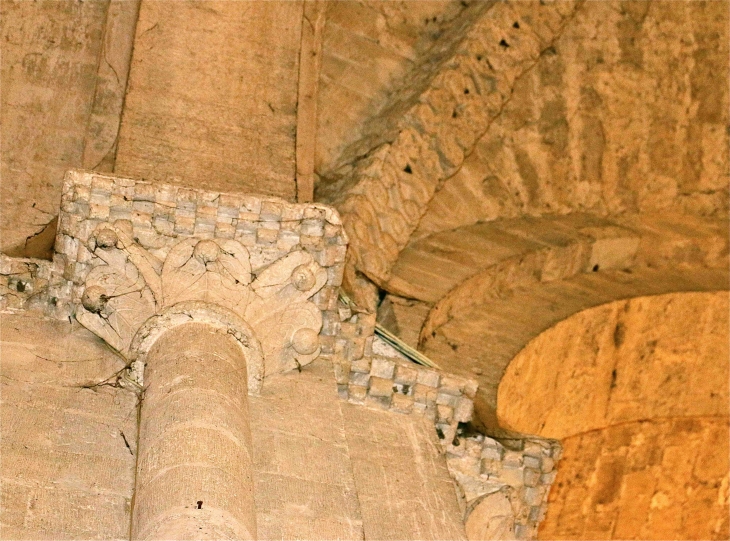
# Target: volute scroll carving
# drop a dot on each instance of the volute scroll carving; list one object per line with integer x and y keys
{"x": 129, "y": 286}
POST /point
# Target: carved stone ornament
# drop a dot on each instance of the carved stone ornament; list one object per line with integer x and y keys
{"x": 133, "y": 286}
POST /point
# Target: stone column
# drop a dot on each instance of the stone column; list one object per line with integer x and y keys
{"x": 194, "y": 469}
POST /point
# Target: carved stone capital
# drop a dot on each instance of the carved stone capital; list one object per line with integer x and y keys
{"x": 130, "y": 287}
{"x": 133, "y": 257}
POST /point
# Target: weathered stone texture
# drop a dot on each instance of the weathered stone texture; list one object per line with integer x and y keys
{"x": 433, "y": 269}
{"x": 328, "y": 470}
{"x": 69, "y": 435}
{"x": 195, "y": 467}
{"x": 367, "y": 48}
{"x": 212, "y": 95}
{"x": 50, "y": 52}
{"x": 504, "y": 486}
{"x": 621, "y": 362}
{"x": 432, "y": 123}
{"x": 304, "y": 483}
{"x": 403, "y": 485}
{"x": 102, "y": 130}
{"x": 654, "y": 479}
{"x": 508, "y": 318}
{"x": 626, "y": 111}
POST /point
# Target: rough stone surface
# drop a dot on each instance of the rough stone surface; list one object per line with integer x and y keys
{"x": 195, "y": 465}
{"x": 508, "y": 317}
{"x": 50, "y": 53}
{"x": 121, "y": 240}
{"x": 320, "y": 472}
{"x": 502, "y": 166}
{"x": 654, "y": 479}
{"x": 403, "y": 485}
{"x": 69, "y": 433}
{"x": 435, "y": 121}
{"x": 199, "y": 113}
{"x": 368, "y": 47}
{"x": 622, "y": 113}
{"x": 650, "y": 357}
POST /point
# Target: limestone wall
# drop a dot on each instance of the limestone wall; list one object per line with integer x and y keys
{"x": 322, "y": 469}
{"x": 652, "y": 479}
{"x": 68, "y": 432}
{"x": 50, "y": 54}
{"x": 367, "y": 48}
{"x": 650, "y": 357}
{"x": 363, "y": 485}
{"x": 637, "y": 393}
{"x": 212, "y": 98}
{"x": 325, "y": 469}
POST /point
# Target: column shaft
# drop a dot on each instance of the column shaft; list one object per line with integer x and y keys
{"x": 194, "y": 471}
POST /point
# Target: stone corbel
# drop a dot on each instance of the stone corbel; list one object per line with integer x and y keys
{"x": 131, "y": 296}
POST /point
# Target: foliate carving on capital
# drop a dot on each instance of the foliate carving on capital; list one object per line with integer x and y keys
{"x": 130, "y": 285}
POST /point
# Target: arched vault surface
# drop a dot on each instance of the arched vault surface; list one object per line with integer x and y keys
{"x": 637, "y": 392}
{"x": 609, "y": 334}
{"x": 644, "y": 358}
{"x": 485, "y": 291}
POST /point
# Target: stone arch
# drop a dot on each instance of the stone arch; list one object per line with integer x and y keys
{"x": 216, "y": 317}
{"x": 480, "y": 338}
{"x": 422, "y": 137}
{"x": 480, "y": 293}
{"x": 636, "y": 391}
{"x": 624, "y": 361}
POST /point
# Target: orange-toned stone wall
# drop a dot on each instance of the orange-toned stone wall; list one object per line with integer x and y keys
{"x": 654, "y": 479}
{"x": 643, "y": 358}
{"x": 637, "y": 393}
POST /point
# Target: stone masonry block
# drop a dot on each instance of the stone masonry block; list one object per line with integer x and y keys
{"x": 358, "y": 378}
{"x": 443, "y": 399}
{"x": 382, "y": 368}
{"x": 425, "y": 394}
{"x": 406, "y": 375}
{"x": 533, "y": 448}
{"x": 532, "y": 477}
{"x": 492, "y": 453}
{"x": 402, "y": 403}
{"x": 342, "y": 373}
{"x": 361, "y": 365}
{"x": 513, "y": 458}
{"x": 451, "y": 386}
{"x": 445, "y": 413}
{"x": 533, "y": 496}
{"x": 429, "y": 378}
{"x": 548, "y": 478}
{"x": 380, "y": 387}
{"x": 490, "y": 467}
{"x": 537, "y": 514}
{"x": 357, "y": 393}
{"x": 470, "y": 388}
{"x": 531, "y": 462}
{"x": 547, "y": 464}
{"x": 511, "y": 475}
{"x": 463, "y": 410}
